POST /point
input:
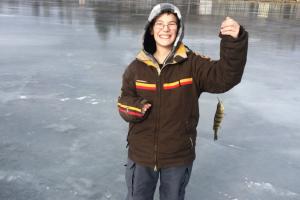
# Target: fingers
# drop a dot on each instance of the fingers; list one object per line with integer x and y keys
{"x": 228, "y": 30}
{"x": 229, "y": 22}
{"x": 230, "y": 27}
{"x": 146, "y": 107}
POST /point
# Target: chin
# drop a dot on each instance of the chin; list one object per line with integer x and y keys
{"x": 166, "y": 44}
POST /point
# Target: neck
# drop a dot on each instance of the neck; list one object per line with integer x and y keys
{"x": 161, "y": 53}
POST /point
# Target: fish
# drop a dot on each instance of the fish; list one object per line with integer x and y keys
{"x": 219, "y": 115}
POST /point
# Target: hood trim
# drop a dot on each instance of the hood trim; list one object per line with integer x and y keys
{"x": 179, "y": 55}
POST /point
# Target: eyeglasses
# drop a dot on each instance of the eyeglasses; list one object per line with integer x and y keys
{"x": 160, "y": 25}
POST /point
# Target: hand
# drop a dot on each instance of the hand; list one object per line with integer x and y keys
{"x": 230, "y": 27}
{"x": 146, "y": 107}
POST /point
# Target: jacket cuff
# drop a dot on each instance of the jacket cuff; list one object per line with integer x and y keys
{"x": 242, "y": 34}
{"x": 134, "y": 113}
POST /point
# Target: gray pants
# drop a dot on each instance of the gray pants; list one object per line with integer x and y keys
{"x": 141, "y": 182}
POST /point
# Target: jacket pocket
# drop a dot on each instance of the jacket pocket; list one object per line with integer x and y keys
{"x": 191, "y": 141}
{"x": 190, "y": 133}
{"x": 190, "y": 126}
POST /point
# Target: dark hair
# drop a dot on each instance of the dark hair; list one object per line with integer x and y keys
{"x": 168, "y": 11}
{"x": 149, "y": 41}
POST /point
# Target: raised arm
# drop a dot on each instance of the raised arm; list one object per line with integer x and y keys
{"x": 222, "y": 75}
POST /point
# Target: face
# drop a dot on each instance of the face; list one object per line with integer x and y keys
{"x": 165, "y": 30}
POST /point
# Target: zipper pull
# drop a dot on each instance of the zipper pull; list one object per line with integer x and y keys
{"x": 155, "y": 168}
{"x": 158, "y": 71}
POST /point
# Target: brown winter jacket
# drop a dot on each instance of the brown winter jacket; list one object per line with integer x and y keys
{"x": 165, "y": 135}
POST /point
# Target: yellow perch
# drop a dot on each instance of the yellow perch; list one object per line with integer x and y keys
{"x": 218, "y": 118}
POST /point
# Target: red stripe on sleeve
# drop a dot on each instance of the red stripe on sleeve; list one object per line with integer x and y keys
{"x": 131, "y": 112}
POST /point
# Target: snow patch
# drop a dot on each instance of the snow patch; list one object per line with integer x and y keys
{"x": 228, "y": 196}
{"x": 235, "y": 147}
{"x": 12, "y": 176}
{"x": 68, "y": 85}
{"x": 80, "y": 186}
{"x": 268, "y": 187}
{"x": 23, "y": 97}
{"x": 65, "y": 99}
{"x": 82, "y": 98}
{"x": 61, "y": 127}
{"x": 107, "y": 194}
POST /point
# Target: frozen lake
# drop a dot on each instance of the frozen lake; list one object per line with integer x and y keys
{"x": 61, "y": 137}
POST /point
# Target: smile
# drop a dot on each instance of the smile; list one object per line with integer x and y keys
{"x": 165, "y": 36}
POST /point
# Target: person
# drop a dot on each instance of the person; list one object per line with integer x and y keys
{"x": 159, "y": 99}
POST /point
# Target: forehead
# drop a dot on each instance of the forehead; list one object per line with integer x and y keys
{"x": 166, "y": 17}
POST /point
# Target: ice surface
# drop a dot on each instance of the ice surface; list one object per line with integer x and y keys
{"x": 61, "y": 64}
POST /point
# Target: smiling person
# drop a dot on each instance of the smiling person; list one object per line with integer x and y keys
{"x": 159, "y": 99}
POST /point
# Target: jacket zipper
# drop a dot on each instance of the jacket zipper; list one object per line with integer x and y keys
{"x": 158, "y": 116}
{"x": 158, "y": 82}
{"x": 164, "y": 64}
{"x": 155, "y": 157}
{"x": 157, "y": 124}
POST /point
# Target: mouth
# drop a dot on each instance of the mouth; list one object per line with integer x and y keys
{"x": 165, "y": 36}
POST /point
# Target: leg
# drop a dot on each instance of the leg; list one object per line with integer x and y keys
{"x": 141, "y": 181}
{"x": 173, "y": 182}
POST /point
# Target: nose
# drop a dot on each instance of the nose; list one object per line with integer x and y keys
{"x": 166, "y": 28}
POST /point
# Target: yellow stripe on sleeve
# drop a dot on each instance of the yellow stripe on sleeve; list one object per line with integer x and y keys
{"x": 129, "y": 107}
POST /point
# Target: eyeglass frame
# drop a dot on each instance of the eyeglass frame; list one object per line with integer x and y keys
{"x": 161, "y": 25}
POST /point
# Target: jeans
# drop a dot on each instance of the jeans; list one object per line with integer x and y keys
{"x": 141, "y": 181}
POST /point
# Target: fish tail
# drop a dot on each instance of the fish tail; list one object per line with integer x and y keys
{"x": 215, "y": 135}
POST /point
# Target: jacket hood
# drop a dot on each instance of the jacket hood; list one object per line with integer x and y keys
{"x": 179, "y": 55}
{"x": 149, "y": 42}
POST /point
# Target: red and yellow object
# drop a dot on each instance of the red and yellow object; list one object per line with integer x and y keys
{"x": 130, "y": 110}
{"x": 145, "y": 86}
{"x": 176, "y": 84}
